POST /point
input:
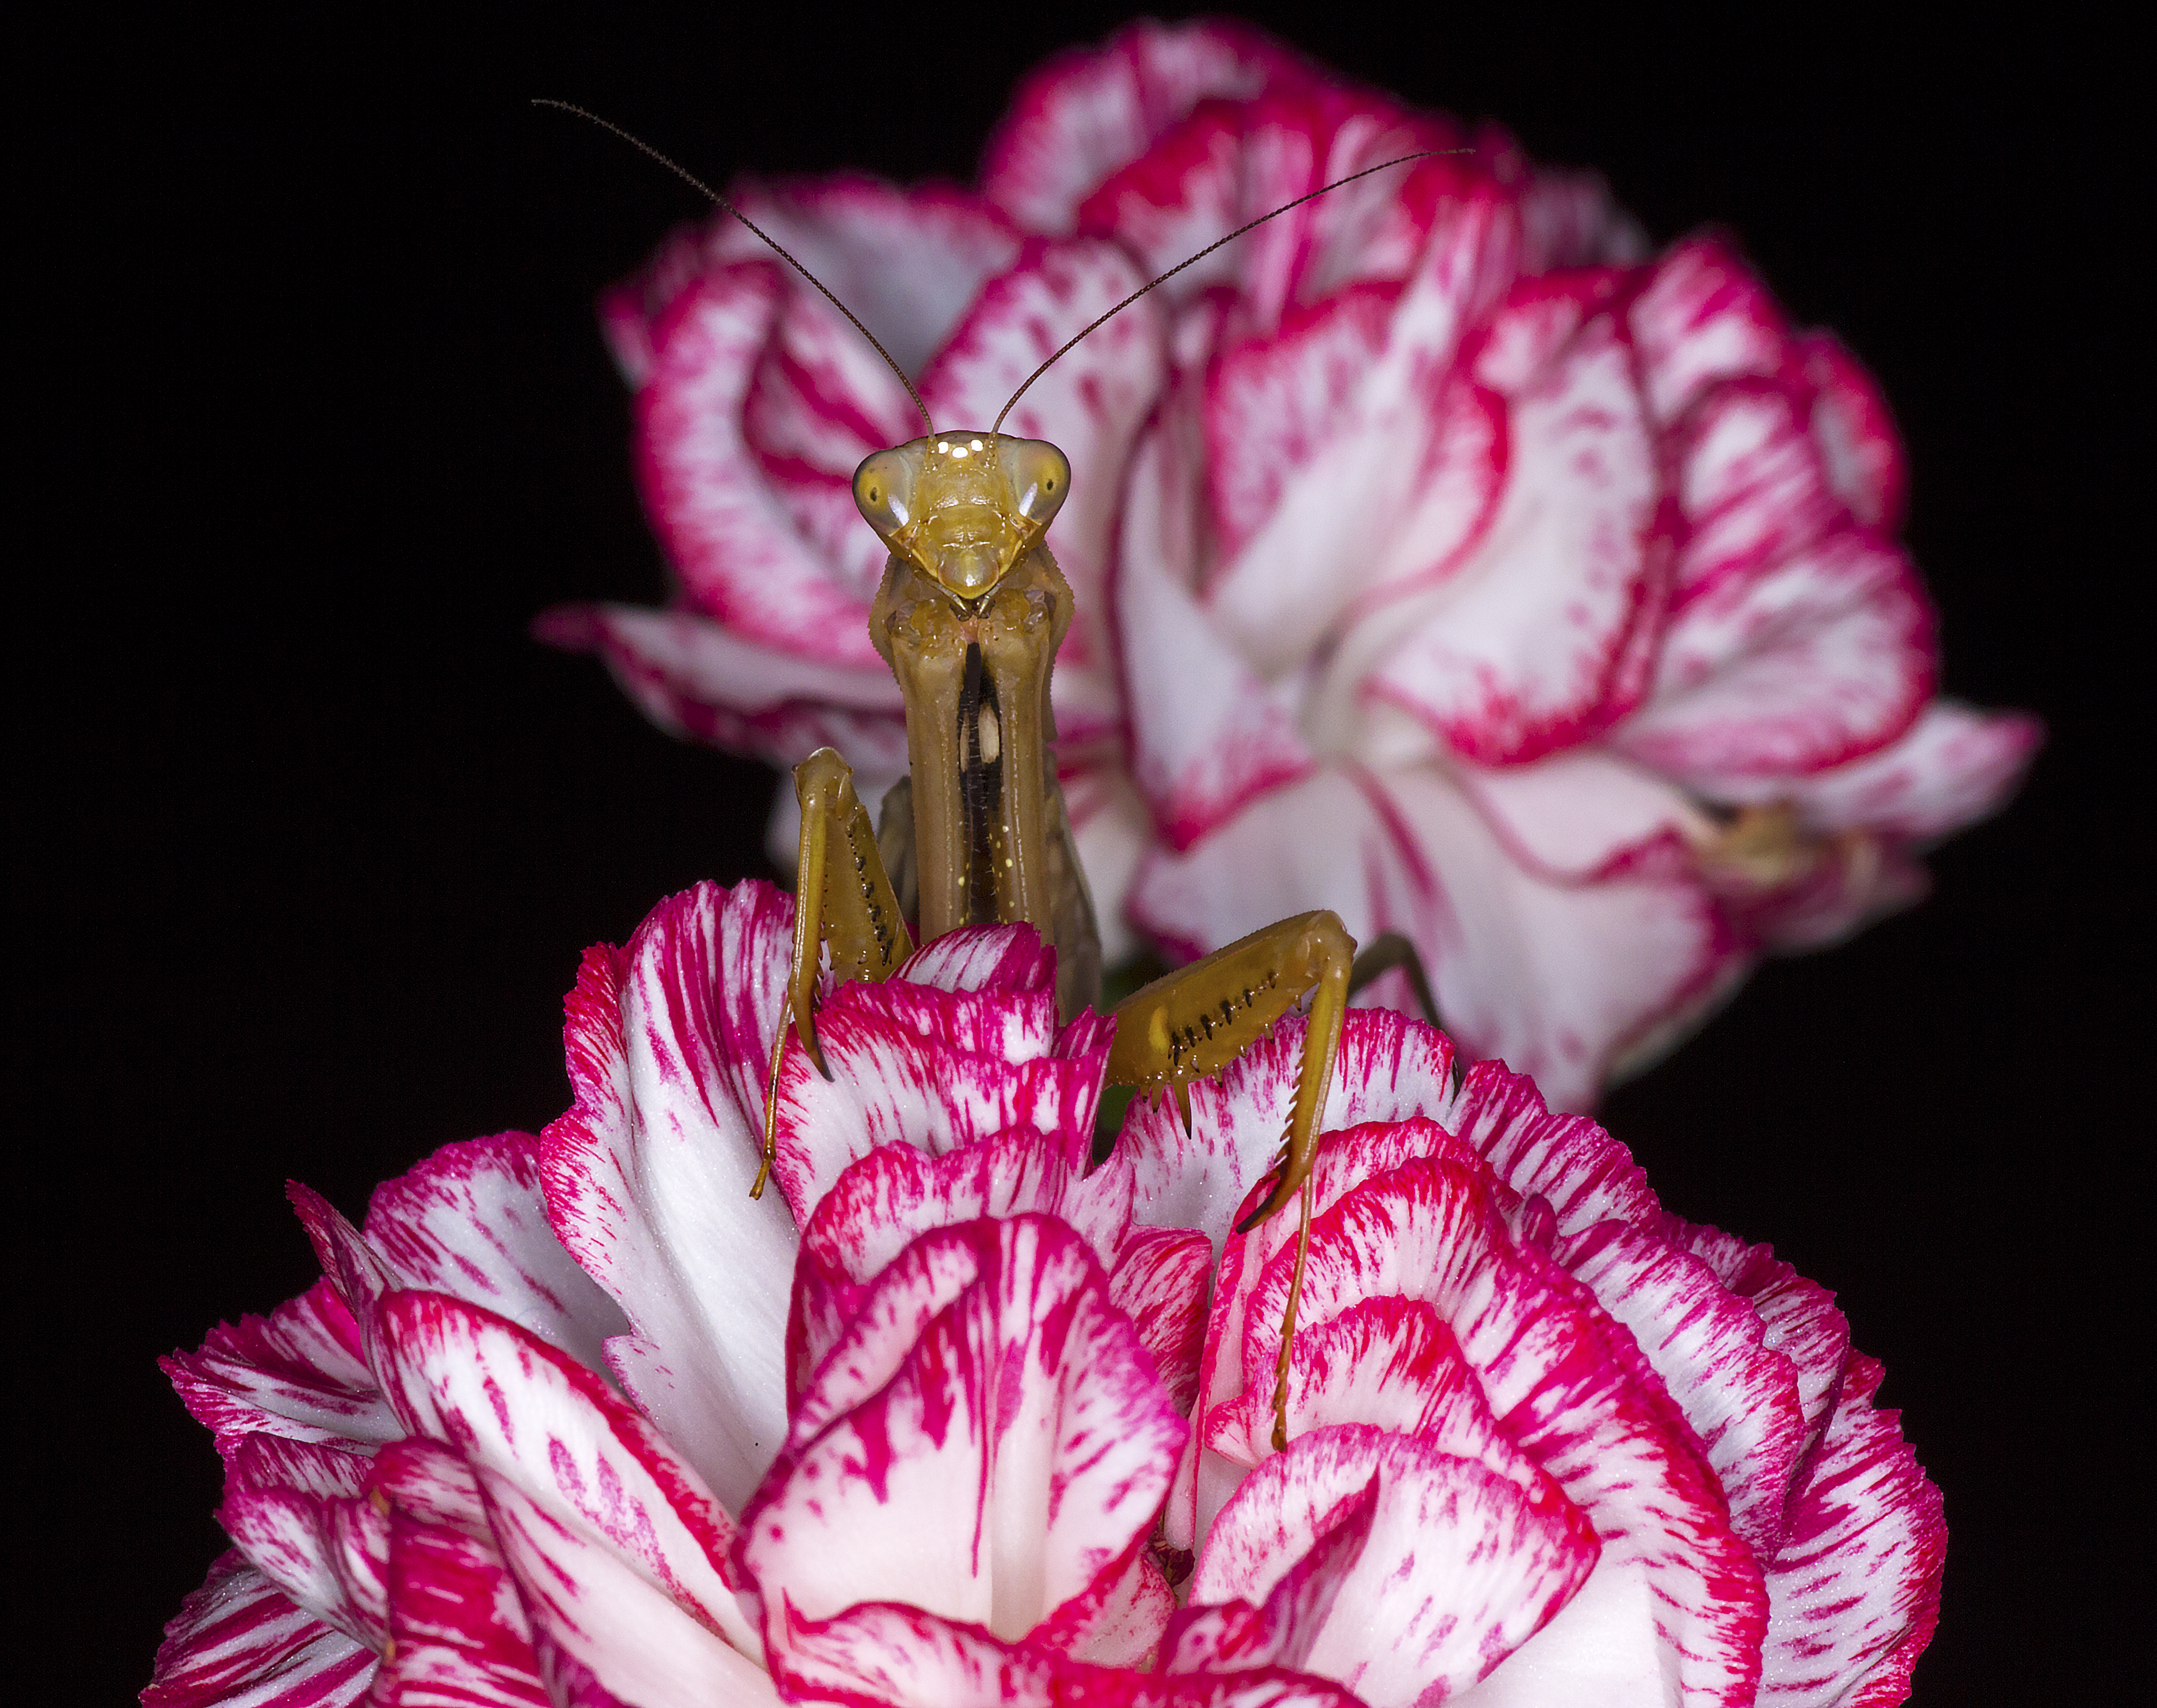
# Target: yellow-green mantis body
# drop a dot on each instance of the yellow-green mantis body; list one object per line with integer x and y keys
{"x": 968, "y": 615}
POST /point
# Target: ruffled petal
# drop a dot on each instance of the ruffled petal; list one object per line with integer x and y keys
{"x": 600, "y": 1473}
{"x": 1559, "y": 978}
{"x": 1752, "y": 483}
{"x": 1089, "y": 112}
{"x": 622, "y": 1634}
{"x": 457, "y": 1636}
{"x": 1710, "y": 1348}
{"x": 1090, "y": 404}
{"x": 1823, "y": 658}
{"x": 893, "y": 1655}
{"x": 298, "y": 1373}
{"x": 1537, "y": 639}
{"x": 936, "y": 1069}
{"x": 907, "y": 259}
{"x": 1854, "y": 1593}
{"x": 1702, "y": 317}
{"x": 738, "y": 552}
{"x": 1206, "y": 733}
{"x": 238, "y": 1641}
{"x": 648, "y": 1177}
{"x": 1459, "y": 1566}
{"x": 471, "y": 1220}
{"x": 1568, "y": 1386}
{"x": 1031, "y": 1391}
{"x": 1856, "y": 432}
{"x": 1951, "y": 768}
{"x": 295, "y": 1510}
{"x": 881, "y": 1203}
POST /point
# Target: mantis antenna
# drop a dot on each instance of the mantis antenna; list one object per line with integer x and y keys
{"x": 1402, "y": 159}
{"x": 691, "y": 179}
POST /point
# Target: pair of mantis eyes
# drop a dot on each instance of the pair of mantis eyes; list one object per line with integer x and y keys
{"x": 888, "y": 485}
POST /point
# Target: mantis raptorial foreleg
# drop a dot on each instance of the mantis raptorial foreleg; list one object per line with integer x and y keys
{"x": 1197, "y": 1020}
{"x": 842, "y": 899}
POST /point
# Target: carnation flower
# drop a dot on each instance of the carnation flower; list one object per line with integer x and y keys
{"x": 959, "y": 1416}
{"x": 1441, "y": 556}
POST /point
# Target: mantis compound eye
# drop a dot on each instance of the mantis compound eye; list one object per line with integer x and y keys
{"x": 883, "y": 491}
{"x": 1039, "y": 474}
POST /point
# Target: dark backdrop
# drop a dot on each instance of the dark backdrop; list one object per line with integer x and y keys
{"x": 318, "y": 833}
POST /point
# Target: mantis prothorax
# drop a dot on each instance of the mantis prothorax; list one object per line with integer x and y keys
{"x": 968, "y": 615}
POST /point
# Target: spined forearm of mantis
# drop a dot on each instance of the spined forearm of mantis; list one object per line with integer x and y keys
{"x": 969, "y": 616}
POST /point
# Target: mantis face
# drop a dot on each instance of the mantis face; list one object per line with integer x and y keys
{"x": 962, "y": 508}
{"x": 970, "y": 615}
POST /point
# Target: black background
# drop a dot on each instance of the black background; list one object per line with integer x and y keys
{"x": 318, "y": 833}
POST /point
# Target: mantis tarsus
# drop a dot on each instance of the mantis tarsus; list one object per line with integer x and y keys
{"x": 969, "y": 616}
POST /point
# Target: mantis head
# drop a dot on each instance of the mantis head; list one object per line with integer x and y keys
{"x": 963, "y": 508}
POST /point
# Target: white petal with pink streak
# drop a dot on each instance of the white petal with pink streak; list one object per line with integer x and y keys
{"x": 1535, "y": 640}
{"x": 1854, "y": 1593}
{"x": 608, "y": 1529}
{"x": 1459, "y": 1566}
{"x": 1825, "y": 657}
{"x": 648, "y": 1176}
{"x": 239, "y": 1642}
{"x": 1029, "y": 1390}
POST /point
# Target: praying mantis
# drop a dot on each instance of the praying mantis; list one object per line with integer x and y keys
{"x": 970, "y": 613}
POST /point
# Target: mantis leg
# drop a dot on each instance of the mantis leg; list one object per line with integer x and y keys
{"x": 843, "y": 900}
{"x": 1199, "y": 1019}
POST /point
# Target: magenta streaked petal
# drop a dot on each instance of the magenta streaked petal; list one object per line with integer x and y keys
{"x": 881, "y": 1203}
{"x": 1014, "y": 960}
{"x": 1752, "y": 482}
{"x": 601, "y": 1480}
{"x": 1538, "y": 638}
{"x": 1799, "y": 1316}
{"x": 1126, "y": 1632}
{"x": 1234, "y": 1635}
{"x": 891, "y": 1655}
{"x": 588, "y": 1600}
{"x": 471, "y": 1220}
{"x": 907, "y": 259}
{"x": 1702, "y": 317}
{"x": 1710, "y": 1348}
{"x": 458, "y": 1634}
{"x": 1856, "y": 432}
{"x": 1400, "y": 482}
{"x": 238, "y": 1641}
{"x": 1580, "y": 1170}
{"x": 1029, "y": 1390}
{"x": 1388, "y": 1068}
{"x": 1569, "y": 1386}
{"x": 1951, "y": 768}
{"x": 1159, "y": 1281}
{"x": 936, "y": 1069}
{"x": 319, "y": 1542}
{"x": 1855, "y": 1591}
{"x": 1459, "y": 1565}
{"x": 1090, "y": 112}
{"x": 695, "y": 678}
{"x": 736, "y": 548}
{"x": 1388, "y": 1362}
{"x": 648, "y": 1177}
{"x": 1580, "y": 816}
{"x": 1823, "y": 658}
{"x": 299, "y": 1372}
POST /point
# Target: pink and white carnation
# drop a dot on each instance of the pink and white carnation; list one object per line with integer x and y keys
{"x": 957, "y": 1415}
{"x": 1442, "y": 556}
